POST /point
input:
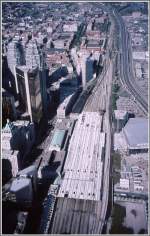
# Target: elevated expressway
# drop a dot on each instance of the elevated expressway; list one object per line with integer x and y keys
{"x": 126, "y": 66}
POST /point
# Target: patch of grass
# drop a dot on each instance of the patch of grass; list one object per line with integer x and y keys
{"x": 118, "y": 215}
{"x": 114, "y": 99}
{"x": 115, "y": 89}
{"x": 116, "y": 157}
{"x": 116, "y": 177}
{"x": 116, "y": 161}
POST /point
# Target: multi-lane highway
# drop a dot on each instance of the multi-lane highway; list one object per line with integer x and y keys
{"x": 126, "y": 67}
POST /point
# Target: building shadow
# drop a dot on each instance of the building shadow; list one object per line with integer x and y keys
{"x": 6, "y": 171}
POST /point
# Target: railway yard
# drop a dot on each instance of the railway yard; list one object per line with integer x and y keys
{"x": 91, "y": 156}
{"x": 76, "y": 206}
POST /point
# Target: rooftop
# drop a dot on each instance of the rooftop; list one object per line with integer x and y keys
{"x": 56, "y": 50}
{"x": 136, "y": 132}
{"x": 29, "y": 170}
{"x": 93, "y": 44}
{"x": 83, "y": 166}
{"x": 21, "y": 123}
{"x": 120, "y": 114}
{"x": 58, "y": 138}
{"x": 9, "y": 154}
{"x": 19, "y": 184}
{"x": 27, "y": 69}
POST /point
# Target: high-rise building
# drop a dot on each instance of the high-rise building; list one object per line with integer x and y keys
{"x": 29, "y": 91}
{"x": 8, "y": 106}
{"x": 44, "y": 71}
{"x": 10, "y": 157}
{"x": 35, "y": 58}
{"x": 86, "y": 68}
{"x": 15, "y": 54}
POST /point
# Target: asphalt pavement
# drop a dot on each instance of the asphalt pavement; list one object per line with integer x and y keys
{"x": 126, "y": 67}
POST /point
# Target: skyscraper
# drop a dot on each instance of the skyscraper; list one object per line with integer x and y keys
{"x": 8, "y": 106}
{"x": 43, "y": 80}
{"x": 35, "y": 58}
{"x": 15, "y": 54}
{"x": 86, "y": 68}
{"x": 28, "y": 88}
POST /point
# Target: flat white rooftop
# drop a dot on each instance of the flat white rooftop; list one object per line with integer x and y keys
{"x": 83, "y": 166}
{"x": 120, "y": 114}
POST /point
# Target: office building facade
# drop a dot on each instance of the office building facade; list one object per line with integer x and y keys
{"x": 35, "y": 58}
{"x": 86, "y": 69}
{"x": 29, "y": 92}
{"x": 8, "y": 106}
{"x": 15, "y": 54}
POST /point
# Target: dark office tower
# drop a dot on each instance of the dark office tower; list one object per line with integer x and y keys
{"x": 43, "y": 75}
{"x": 8, "y": 79}
{"x": 35, "y": 58}
{"x": 8, "y": 106}
{"x": 43, "y": 79}
{"x": 86, "y": 68}
{"x": 29, "y": 92}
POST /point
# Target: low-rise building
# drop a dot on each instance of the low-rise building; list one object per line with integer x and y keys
{"x": 70, "y": 27}
{"x": 93, "y": 34}
{"x": 59, "y": 43}
{"x": 56, "y": 55}
{"x": 124, "y": 184}
{"x": 65, "y": 107}
{"x": 140, "y": 55}
{"x": 121, "y": 118}
{"x": 136, "y": 134}
{"x": 136, "y": 14}
{"x": 58, "y": 140}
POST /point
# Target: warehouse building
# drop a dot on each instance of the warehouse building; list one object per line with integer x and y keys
{"x": 121, "y": 117}
{"x": 136, "y": 135}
